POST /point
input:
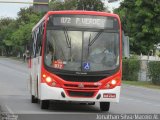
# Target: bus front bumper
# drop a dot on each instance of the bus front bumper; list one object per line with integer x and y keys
{"x": 54, "y": 93}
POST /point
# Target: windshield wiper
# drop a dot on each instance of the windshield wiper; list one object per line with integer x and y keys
{"x": 90, "y": 43}
{"x": 94, "y": 39}
{"x": 68, "y": 41}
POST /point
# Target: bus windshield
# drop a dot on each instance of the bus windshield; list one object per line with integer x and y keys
{"x": 82, "y": 50}
{"x": 82, "y": 43}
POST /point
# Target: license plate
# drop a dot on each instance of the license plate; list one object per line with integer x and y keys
{"x": 109, "y": 95}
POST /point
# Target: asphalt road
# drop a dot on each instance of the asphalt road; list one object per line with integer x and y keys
{"x": 15, "y": 98}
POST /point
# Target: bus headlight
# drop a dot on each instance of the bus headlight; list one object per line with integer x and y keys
{"x": 113, "y": 82}
{"x": 48, "y": 79}
{"x": 44, "y": 76}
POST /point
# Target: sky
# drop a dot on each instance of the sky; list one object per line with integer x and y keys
{"x": 113, "y": 5}
{"x": 11, "y": 10}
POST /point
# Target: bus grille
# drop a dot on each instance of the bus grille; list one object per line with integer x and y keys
{"x": 82, "y": 78}
{"x": 85, "y": 86}
{"x": 80, "y": 94}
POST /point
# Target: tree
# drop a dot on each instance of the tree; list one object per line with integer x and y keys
{"x": 8, "y": 25}
{"x": 27, "y": 18}
{"x": 94, "y": 5}
{"x": 57, "y": 5}
{"x": 140, "y": 21}
{"x": 15, "y": 34}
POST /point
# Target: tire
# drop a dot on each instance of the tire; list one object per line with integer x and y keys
{"x": 104, "y": 106}
{"x": 44, "y": 104}
{"x": 92, "y": 103}
{"x": 34, "y": 99}
{"x": 83, "y": 103}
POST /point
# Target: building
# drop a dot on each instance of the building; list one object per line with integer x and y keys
{"x": 41, "y": 7}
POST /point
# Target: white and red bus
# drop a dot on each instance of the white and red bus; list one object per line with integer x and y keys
{"x": 76, "y": 56}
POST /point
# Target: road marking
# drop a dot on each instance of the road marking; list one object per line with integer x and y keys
{"x": 9, "y": 110}
{"x": 8, "y": 114}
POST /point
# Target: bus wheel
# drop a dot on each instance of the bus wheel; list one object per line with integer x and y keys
{"x": 44, "y": 104}
{"x": 34, "y": 99}
{"x": 104, "y": 106}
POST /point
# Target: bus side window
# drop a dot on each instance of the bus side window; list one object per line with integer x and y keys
{"x": 41, "y": 37}
{"x": 38, "y": 43}
{"x": 34, "y": 43}
{"x": 31, "y": 47}
{"x": 39, "y": 40}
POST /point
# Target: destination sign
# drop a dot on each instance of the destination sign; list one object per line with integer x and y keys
{"x": 84, "y": 21}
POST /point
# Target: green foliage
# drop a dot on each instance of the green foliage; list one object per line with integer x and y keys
{"x": 68, "y": 5}
{"x": 8, "y": 26}
{"x": 93, "y": 5}
{"x": 154, "y": 69}
{"x": 15, "y": 34}
{"x": 130, "y": 69}
{"x": 140, "y": 21}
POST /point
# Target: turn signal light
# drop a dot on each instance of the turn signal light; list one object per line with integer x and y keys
{"x": 111, "y": 84}
{"x": 108, "y": 86}
{"x": 54, "y": 84}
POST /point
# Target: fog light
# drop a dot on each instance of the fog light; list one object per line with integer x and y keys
{"x": 113, "y": 82}
{"x": 48, "y": 79}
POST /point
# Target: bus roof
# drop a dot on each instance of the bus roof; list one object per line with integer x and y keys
{"x": 80, "y": 12}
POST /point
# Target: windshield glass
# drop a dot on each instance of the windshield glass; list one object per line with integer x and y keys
{"x": 81, "y": 50}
